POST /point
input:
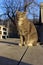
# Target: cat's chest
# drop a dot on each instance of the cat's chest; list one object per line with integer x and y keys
{"x": 20, "y": 23}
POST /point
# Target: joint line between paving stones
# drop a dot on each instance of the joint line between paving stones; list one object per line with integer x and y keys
{"x": 22, "y": 56}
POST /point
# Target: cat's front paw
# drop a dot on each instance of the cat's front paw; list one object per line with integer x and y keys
{"x": 20, "y": 44}
{"x": 30, "y": 45}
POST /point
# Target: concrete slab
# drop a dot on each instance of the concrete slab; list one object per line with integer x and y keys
{"x": 10, "y": 41}
{"x": 10, "y": 54}
{"x": 33, "y": 56}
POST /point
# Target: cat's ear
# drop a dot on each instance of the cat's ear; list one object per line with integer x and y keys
{"x": 17, "y": 12}
{"x": 24, "y": 12}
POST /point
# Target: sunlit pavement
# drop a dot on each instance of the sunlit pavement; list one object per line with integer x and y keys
{"x": 12, "y": 54}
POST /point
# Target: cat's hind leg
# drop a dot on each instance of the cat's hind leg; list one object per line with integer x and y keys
{"x": 32, "y": 43}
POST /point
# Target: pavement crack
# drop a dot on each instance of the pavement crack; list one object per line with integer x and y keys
{"x": 22, "y": 56}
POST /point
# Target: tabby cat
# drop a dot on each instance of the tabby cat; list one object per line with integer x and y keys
{"x": 27, "y": 30}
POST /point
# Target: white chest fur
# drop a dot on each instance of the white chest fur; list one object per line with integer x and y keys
{"x": 20, "y": 22}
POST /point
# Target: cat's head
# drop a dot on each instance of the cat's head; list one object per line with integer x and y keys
{"x": 20, "y": 14}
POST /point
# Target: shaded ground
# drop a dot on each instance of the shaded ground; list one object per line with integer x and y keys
{"x": 11, "y": 53}
{"x": 8, "y": 61}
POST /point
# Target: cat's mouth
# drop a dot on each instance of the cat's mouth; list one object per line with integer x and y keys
{"x": 22, "y": 18}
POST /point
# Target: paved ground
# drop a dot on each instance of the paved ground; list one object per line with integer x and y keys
{"x": 12, "y": 54}
{"x": 34, "y": 56}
